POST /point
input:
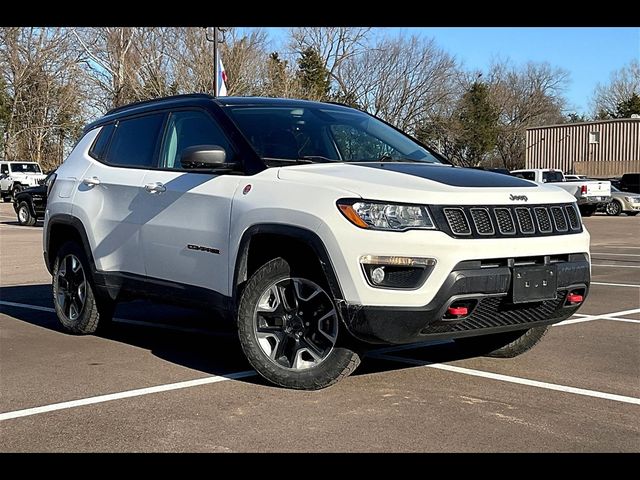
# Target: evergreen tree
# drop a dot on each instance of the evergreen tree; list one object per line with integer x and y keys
{"x": 628, "y": 107}
{"x": 478, "y": 124}
{"x": 313, "y": 76}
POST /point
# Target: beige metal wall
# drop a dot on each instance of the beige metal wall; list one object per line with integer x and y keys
{"x": 567, "y": 147}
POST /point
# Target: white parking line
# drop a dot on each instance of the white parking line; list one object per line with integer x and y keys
{"x": 127, "y": 394}
{"x": 616, "y": 284}
{"x": 610, "y": 265}
{"x": 511, "y": 379}
{"x": 380, "y": 353}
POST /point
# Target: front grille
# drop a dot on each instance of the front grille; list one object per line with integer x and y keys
{"x": 457, "y": 221}
{"x": 494, "y": 312}
{"x": 507, "y": 221}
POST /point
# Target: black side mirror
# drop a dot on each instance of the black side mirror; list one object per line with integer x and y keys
{"x": 205, "y": 157}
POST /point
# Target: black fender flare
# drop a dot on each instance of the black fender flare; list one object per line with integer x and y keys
{"x": 297, "y": 233}
{"x": 77, "y": 225}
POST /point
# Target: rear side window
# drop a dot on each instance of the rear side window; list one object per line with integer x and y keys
{"x": 99, "y": 148}
{"x": 134, "y": 141}
{"x": 4, "y": 169}
{"x": 551, "y": 177}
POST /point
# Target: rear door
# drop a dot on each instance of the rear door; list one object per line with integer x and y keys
{"x": 110, "y": 197}
{"x": 185, "y": 238}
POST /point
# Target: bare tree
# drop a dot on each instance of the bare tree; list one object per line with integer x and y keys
{"x": 526, "y": 96}
{"x": 243, "y": 55}
{"x": 335, "y": 45}
{"x": 41, "y": 70}
{"x": 403, "y": 80}
{"x": 622, "y": 85}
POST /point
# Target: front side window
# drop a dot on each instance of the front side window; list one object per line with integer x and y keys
{"x": 25, "y": 168}
{"x": 134, "y": 141}
{"x": 526, "y": 175}
{"x": 323, "y": 134}
{"x": 4, "y": 170}
{"x": 187, "y": 129}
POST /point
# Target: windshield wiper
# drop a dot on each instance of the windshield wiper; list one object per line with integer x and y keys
{"x": 304, "y": 160}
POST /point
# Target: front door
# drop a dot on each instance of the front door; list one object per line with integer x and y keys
{"x": 186, "y": 237}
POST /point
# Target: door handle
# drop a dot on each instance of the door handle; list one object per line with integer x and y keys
{"x": 91, "y": 182}
{"x": 156, "y": 187}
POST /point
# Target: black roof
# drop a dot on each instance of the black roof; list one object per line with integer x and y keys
{"x": 201, "y": 99}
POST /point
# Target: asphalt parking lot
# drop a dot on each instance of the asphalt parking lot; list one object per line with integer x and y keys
{"x": 181, "y": 384}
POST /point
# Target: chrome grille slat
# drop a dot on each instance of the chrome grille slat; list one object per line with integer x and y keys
{"x": 482, "y": 221}
{"x": 505, "y": 222}
{"x": 574, "y": 220}
{"x": 457, "y": 220}
{"x": 543, "y": 219}
{"x": 525, "y": 220}
{"x": 559, "y": 219}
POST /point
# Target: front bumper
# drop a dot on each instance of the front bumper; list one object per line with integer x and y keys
{"x": 493, "y": 312}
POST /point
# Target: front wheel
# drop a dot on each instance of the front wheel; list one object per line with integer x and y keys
{"x": 289, "y": 329}
{"x": 16, "y": 190}
{"x": 614, "y": 208}
{"x": 78, "y": 308}
{"x": 24, "y": 215}
{"x": 502, "y": 345}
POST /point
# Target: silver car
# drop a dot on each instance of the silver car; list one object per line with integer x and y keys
{"x": 626, "y": 202}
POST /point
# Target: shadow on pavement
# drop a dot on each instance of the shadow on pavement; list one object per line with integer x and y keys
{"x": 211, "y": 347}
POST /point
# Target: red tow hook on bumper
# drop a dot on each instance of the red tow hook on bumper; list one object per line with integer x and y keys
{"x": 574, "y": 298}
{"x": 458, "y": 311}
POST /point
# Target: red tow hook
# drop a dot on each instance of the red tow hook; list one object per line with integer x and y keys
{"x": 458, "y": 311}
{"x": 574, "y": 298}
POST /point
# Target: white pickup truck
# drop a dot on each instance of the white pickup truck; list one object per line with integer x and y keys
{"x": 590, "y": 193}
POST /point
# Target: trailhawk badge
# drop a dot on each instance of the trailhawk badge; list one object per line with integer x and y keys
{"x": 518, "y": 197}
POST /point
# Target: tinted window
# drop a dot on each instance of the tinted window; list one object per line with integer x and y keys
{"x": 25, "y": 168}
{"x": 134, "y": 141}
{"x": 187, "y": 129}
{"x": 315, "y": 133}
{"x": 99, "y": 148}
{"x": 4, "y": 169}
{"x": 526, "y": 175}
{"x": 552, "y": 177}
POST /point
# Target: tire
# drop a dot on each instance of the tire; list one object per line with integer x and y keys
{"x": 502, "y": 345}
{"x": 90, "y": 312}
{"x": 632, "y": 214}
{"x": 613, "y": 208}
{"x": 293, "y": 353}
{"x": 16, "y": 190}
{"x": 6, "y": 198}
{"x": 24, "y": 215}
{"x": 587, "y": 211}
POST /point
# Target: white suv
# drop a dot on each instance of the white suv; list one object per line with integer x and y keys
{"x": 16, "y": 176}
{"x": 318, "y": 229}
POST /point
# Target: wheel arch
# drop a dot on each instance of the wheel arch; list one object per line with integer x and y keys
{"x": 284, "y": 237}
{"x": 61, "y": 228}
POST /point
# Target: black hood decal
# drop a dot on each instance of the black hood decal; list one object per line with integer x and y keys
{"x": 454, "y": 176}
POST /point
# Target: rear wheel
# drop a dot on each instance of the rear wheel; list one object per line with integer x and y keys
{"x": 289, "y": 329}
{"x": 502, "y": 345}
{"x": 614, "y": 208}
{"x": 24, "y": 215}
{"x": 78, "y": 308}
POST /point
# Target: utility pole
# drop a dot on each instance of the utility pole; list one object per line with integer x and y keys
{"x": 216, "y": 66}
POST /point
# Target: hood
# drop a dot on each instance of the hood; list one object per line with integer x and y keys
{"x": 425, "y": 183}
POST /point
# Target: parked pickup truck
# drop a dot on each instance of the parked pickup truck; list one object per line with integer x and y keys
{"x": 591, "y": 194}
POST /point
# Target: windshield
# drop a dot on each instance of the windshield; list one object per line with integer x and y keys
{"x": 317, "y": 134}
{"x": 25, "y": 168}
{"x": 552, "y": 177}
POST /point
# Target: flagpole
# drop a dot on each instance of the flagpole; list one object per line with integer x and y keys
{"x": 215, "y": 61}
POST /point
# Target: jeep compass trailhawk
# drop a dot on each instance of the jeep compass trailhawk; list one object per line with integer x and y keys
{"x": 318, "y": 229}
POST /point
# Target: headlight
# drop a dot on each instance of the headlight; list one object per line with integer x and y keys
{"x": 386, "y": 216}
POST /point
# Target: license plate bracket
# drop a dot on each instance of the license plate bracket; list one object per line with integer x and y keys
{"x": 534, "y": 283}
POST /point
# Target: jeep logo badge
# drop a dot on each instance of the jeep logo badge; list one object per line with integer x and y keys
{"x": 518, "y": 197}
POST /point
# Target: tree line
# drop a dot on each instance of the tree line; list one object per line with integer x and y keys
{"x": 55, "y": 80}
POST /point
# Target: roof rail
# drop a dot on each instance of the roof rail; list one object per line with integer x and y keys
{"x": 158, "y": 99}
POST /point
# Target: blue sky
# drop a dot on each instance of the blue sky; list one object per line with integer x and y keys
{"x": 588, "y": 54}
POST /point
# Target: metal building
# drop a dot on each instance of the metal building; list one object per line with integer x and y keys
{"x": 603, "y": 149}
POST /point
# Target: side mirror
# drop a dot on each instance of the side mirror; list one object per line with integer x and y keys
{"x": 205, "y": 157}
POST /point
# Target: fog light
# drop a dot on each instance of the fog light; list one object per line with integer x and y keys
{"x": 377, "y": 275}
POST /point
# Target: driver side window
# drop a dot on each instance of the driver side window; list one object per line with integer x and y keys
{"x": 187, "y": 129}
{"x": 357, "y": 145}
